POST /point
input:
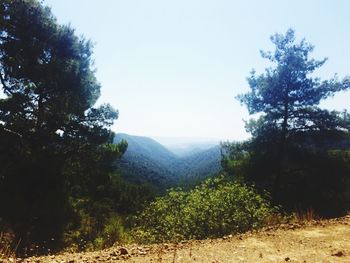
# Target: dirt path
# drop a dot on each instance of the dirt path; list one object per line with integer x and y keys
{"x": 323, "y": 241}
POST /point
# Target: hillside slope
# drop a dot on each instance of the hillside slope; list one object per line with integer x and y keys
{"x": 147, "y": 161}
{"x": 321, "y": 241}
{"x": 198, "y": 165}
{"x": 147, "y": 147}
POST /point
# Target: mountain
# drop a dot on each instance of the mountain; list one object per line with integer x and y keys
{"x": 147, "y": 147}
{"x": 198, "y": 165}
{"x": 147, "y": 161}
{"x": 186, "y": 146}
{"x": 186, "y": 150}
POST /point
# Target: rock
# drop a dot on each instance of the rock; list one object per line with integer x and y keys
{"x": 338, "y": 254}
{"x": 123, "y": 251}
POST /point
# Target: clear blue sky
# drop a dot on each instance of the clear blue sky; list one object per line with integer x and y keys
{"x": 173, "y": 67}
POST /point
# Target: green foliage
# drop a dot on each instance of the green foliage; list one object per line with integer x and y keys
{"x": 98, "y": 223}
{"x": 311, "y": 179}
{"x": 288, "y": 95}
{"x": 56, "y": 150}
{"x": 113, "y": 231}
{"x": 214, "y": 208}
{"x": 293, "y": 141}
{"x": 96, "y": 234}
{"x": 197, "y": 166}
{"x": 148, "y": 147}
{"x": 147, "y": 161}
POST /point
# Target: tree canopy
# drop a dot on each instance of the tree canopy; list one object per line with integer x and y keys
{"x": 288, "y": 94}
{"x": 292, "y": 133}
{"x": 54, "y": 145}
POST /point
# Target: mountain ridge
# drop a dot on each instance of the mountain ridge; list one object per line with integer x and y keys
{"x": 148, "y": 161}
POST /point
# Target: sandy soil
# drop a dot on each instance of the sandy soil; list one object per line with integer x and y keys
{"x": 318, "y": 241}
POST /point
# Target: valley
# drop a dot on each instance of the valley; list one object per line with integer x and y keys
{"x": 73, "y": 189}
{"x": 148, "y": 161}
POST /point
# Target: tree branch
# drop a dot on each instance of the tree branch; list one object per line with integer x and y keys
{"x": 4, "y": 84}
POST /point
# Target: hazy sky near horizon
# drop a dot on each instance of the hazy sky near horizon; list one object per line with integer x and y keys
{"x": 173, "y": 67}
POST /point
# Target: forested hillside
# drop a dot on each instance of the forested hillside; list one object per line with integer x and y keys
{"x": 146, "y": 160}
{"x": 147, "y": 147}
{"x": 198, "y": 165}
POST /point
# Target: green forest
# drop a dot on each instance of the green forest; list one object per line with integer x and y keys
{"x": 68, "y": 182}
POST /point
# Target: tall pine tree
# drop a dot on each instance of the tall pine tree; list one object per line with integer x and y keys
{"x": 53, "y": 143}
{"x": 292, "y": 132}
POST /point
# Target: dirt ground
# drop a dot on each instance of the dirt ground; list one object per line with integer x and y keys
{"x": 318, "y": 241}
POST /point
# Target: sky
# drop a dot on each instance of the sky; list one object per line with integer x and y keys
{"x": 172, "y": 68}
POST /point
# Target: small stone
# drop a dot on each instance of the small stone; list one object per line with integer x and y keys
{"x": 287, "y": 259}
{"x": 113, "y": 253}
{"x": 338, "y": 254}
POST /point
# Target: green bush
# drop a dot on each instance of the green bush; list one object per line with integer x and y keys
{"x": 215, "y": 208}
{"x": 96, "y": 226}
{"x": 113, "y": 232}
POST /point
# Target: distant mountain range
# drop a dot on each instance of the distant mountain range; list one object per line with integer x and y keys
{"x": 183, "y": 147}
{"x": 148, "y": 161}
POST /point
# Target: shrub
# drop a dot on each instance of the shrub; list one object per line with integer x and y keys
{"x": 113, "y": 232}
{"x": 215, "y": 208}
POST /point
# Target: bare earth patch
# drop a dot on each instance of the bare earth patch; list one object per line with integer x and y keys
{"x": 318, "y": 241}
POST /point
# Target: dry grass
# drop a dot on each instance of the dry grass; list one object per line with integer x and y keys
{"x": 277, "y": 219}
{"x": 6, "y": 246}
{"x": 321, "y": 241}
{"x": 297, "y": 217}
{"x": 308, "y": 216}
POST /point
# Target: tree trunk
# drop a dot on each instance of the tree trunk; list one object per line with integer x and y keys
{"x": 282, "y": 154}
{"x": 39, "y": 119}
